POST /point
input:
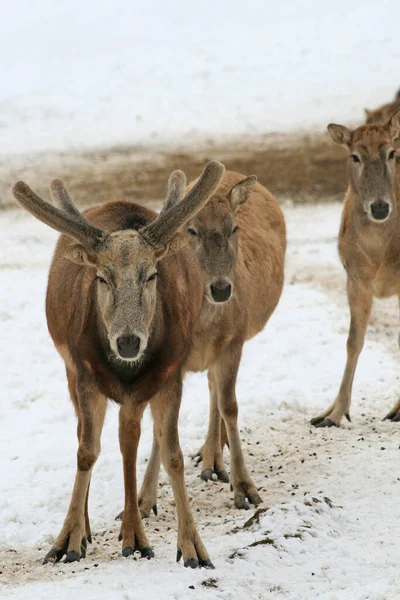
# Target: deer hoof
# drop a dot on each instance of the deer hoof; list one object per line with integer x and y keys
{"x": 327, "y": 422}
{"x": 223, "y": 476}
{"x": 207, "y": 474}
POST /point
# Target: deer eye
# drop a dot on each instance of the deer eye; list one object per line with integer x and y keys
{"x": 355, "y": 158}
{"x": 152, "y": 277}
{"x": 101, "y": 279}
{"x": 391, "y": 154}
{"x": 235, "y": 229}
{"x": 192, "y": 231}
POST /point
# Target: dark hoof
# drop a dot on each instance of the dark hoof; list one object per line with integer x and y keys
{"x": 392, "y": 416}
{"x": 223, "y": 476}
{"x": 207, "y": 474}
{"x": 54, "y": 556}
{"x": 316, "y": 420}
{"x": 144, "y": 552}
{"x": 254, "y": 498}
{"x": 241, "y": 502}
{"x": 192, "y": 563}
{"x": 119, "y": 517}
{"x": 206, "y": 564}
{"x": 144, "y": 515}
{"x": 327, "y": 422}
{"x": 128, "y": 551}
{"x": 147, "y": 553}
{"x": 72, "y": 556}
{"x": 178, "y": 555}
{"x": 89, "y": 538}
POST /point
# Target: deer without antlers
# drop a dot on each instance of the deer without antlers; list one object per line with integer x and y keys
{"x": 121, "y": 308}
{"x": 239, "y": 238}
{"x": 383, "y": 113}
{"x": 369, "y": 240}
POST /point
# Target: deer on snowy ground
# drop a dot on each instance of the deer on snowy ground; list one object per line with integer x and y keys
{"x": 239, "y": 238}
{"x": 123, "y": 300}
{"x": 369, "y": 241}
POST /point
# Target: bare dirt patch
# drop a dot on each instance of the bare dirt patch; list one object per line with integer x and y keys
{"x": 306, "y": 169}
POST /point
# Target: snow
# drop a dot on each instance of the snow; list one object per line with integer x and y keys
{"x": 90, "y": 74}
{"x": 330, "y": 529}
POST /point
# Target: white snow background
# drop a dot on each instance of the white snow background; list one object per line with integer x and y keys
{"x": 109, "y": 72}
{"x": 90, "y": 74}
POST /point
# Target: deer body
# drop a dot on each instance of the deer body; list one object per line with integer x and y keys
{"x": 78, "y": 332}
{"x": 121, "y": 309}
{"x": 369, "y": 241}
{"x": 253, "y": 270}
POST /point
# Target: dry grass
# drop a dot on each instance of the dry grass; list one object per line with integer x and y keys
{"x": 306, "y": 169}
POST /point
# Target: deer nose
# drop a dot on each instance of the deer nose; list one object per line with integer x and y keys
{"x": 128, "y": 346}
{"x": 221, "y": 292}
{"x": 380, "y": 210}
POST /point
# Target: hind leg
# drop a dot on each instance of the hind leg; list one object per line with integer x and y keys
{"x": 210, "y": 453}
{"x": 394, "y": 414}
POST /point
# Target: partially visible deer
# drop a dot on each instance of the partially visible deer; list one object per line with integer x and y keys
{"x": 239, "y": 238}
{"x": 382, "y": 114}
{"x": 369, "y": 241}
{"x": 122, "y": 308}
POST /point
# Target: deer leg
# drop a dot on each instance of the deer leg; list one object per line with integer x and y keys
{"x": 394, "y": 414}
{"x": 165, "y": 408}
{"x": 210, "y": 453}
{"x": 71, "y": 376}
{"x": 72, "y": 538}
{"x": 241, "y": 482}
{"x": 132, "y": 531}
{"x": 148, "y": 491}
{"x": 360, "y": 303}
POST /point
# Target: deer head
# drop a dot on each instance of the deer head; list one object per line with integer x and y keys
{"x": 124, "y": 263}
{"x": 372, "y": 164}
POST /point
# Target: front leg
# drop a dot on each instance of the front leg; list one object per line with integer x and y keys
{"x": 226, "y": 374}
{"x": 91, "y": 408}
{"x": 165, "y": 408}
{"x": 360, "y": 303}
{"x": 132, "y": 531}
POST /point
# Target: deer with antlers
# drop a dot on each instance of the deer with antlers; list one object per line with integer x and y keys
{"x": 239, "y": 238}
{"x": 122, "y": 305}
{"x": 369, "y": 241}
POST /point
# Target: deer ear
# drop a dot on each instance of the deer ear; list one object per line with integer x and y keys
{"x": 242, "y": 191}
{"x": 368, "y": 113}
{"x": 393, "y": 125}
{"x": 179, "y": 240}
{"x": 340, "y": 134}
{"x": 77, "y": 254}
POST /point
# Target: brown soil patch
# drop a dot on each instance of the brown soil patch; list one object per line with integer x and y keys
{"x": 306, "y": 169}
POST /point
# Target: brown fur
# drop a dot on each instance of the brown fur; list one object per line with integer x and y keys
{"x": 370, "y": 250}
{"x": 106, "y": 282}
{"x": 383, "y": 113}
{"x": 258, "y": 270}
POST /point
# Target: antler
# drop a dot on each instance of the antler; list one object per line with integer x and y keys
{"x": 161, "y": 231}
{"x": 69, "y": 221}
{"x": 176, "y": 190}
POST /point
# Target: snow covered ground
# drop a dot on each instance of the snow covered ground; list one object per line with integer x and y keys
{"x": 89, "y": 73}
{"x": 330, "y": 530}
